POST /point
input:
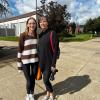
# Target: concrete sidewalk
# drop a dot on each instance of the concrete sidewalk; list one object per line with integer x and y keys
{"x": 78, "y": 77}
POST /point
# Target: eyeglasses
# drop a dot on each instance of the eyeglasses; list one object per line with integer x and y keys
{"x": 31, "y": 23}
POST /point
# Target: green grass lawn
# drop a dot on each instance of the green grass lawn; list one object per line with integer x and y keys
{"x": 79, "y": 37}
{"x": 9, "y": 38}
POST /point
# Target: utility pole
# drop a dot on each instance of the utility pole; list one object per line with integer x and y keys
{"x": 36, "y": 10}
{"x": 37, "y": 21}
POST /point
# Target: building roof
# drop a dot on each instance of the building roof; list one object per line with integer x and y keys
{"x": 19, "y": 17}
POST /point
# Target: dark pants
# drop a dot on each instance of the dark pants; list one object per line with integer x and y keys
{"x": 46, "y": 76}
{"x": 30, "y": 71}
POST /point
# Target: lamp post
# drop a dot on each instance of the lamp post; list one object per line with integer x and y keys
{"x": 36, "y": 7}
{"x": 36, "y": 10}
{"x": 37, "y": 21}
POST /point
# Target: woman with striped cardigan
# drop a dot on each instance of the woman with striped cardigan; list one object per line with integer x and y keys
{"x": 28, "y": 57}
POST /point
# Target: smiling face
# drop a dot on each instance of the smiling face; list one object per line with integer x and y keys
{"x": 43, "y": 23}
{"x": 31, "y": 25}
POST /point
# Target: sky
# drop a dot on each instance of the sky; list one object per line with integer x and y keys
{"x": 81, "y": 10}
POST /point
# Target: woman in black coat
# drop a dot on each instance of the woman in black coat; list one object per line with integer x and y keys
{"x": 48, "y": 48}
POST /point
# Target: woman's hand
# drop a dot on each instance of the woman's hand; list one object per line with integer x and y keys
{"x": 53, "y": 69}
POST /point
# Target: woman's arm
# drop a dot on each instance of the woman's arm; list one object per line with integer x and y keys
{"x": 55, "y": 46}
{"x": 20, "y": 49}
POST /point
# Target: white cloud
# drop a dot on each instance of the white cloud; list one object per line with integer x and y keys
{"x": 24, "y": 6}
{"x": 79, "y": 9}
{"x": 13, "y": 9}
{"x": 83, "y": 19}
{"x": 82, "y": 11}
{"x": 98, "y": 2}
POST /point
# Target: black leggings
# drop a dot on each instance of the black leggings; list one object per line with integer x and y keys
{"x": 46, "y": 76}
{"x": 30, "y": 71}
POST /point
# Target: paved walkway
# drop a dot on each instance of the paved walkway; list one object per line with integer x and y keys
{"x": 78, "y": 77}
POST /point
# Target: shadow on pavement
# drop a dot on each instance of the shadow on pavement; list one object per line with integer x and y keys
{"x": 71, "y": 85}
{"x": 8, "y": 52}
{"x": 39, "y": 95}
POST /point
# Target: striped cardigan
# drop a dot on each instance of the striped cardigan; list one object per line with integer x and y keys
{"x": 27, "y": 50}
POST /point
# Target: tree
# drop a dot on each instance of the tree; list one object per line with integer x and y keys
{"x": 2, "y": 10}
{"x": 92, "y": 25}
{"x": 56, "y": 13}
{"x": 89, "y": 26}
{"x": 97, "y": 24}
{"x": 73, "y": 26}
{"x": 5, "y": 10}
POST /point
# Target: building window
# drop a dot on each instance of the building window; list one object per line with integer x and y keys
{"x": 22, "y": 26}
{"x": 13, "y": 26}
{"x": 1, "y": 26}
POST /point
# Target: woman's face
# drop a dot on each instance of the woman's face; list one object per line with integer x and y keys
{"x": 43, "y": 23}
{"x": 31, "y": 25}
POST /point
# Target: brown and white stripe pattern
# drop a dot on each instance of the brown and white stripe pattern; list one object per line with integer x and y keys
{"x": 27, "y": 52}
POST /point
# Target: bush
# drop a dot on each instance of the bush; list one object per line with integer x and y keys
{"x": 65, "y": 34}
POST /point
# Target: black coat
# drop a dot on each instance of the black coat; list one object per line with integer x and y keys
{"x": 47, "y": 57}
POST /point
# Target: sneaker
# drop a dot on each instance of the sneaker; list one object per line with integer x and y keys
{"x": 27, "y": 97}
{"x": 31, "y": 97}
{"x": 51, "y": 98}
{"x": 46, "y": 97}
